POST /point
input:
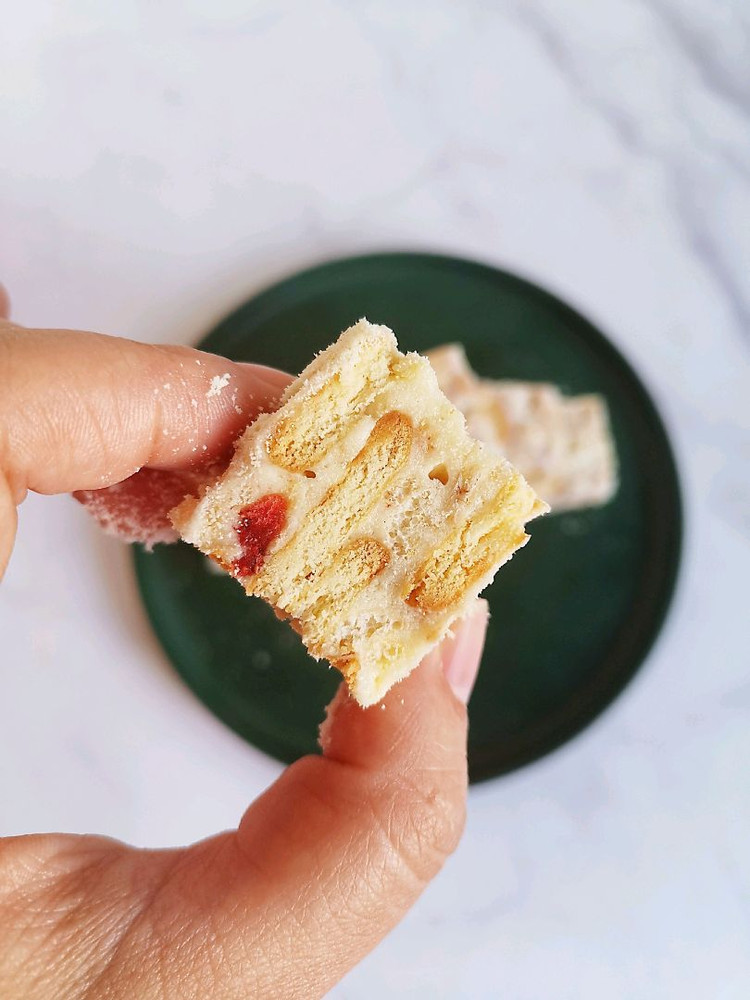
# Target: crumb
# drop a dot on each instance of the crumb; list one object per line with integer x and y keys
{"x": 324, "y": 731}
{"x": 218, "y": 382}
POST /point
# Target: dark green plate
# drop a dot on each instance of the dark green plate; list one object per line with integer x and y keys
{"x": 573, "y": 614}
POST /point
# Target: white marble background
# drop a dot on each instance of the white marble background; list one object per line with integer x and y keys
{"x": 161, "y": 161}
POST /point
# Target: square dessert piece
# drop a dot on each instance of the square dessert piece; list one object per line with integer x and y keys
{"x": 562, "y": 444}
{"x": 362, "y": 511}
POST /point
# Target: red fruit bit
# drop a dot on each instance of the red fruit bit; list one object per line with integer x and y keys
{"x": 257, "y": 526}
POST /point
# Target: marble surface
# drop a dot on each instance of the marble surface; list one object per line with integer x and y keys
{"x": 159, "y": 162}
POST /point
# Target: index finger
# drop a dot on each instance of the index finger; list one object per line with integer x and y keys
{"x": 84, "y": 411}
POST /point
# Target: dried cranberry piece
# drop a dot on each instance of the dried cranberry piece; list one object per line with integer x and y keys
{"x": 257, "y": 526}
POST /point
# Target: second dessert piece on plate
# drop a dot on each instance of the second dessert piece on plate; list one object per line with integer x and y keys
{"x": 562, "y": 444}
{"x": 363, "y": 511}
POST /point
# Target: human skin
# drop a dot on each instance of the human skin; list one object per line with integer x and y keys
{"x": 329, "y": 859}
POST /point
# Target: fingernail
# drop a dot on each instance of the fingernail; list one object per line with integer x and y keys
{"x": 462, "y": 653}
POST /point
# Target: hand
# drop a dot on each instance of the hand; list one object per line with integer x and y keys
{"x": 332, "y": 856}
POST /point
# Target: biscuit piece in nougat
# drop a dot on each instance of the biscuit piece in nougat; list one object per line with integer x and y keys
{"x": 362, "y": 511}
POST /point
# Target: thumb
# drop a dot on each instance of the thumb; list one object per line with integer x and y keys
{"x": 322, "y": 866}
{"x": 333, "y": 855}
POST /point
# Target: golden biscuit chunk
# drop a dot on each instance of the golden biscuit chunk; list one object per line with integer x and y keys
{"x": 562, "y": 444}
{"x": 363, "y": 511}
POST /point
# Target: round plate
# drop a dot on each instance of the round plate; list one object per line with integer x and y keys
{"x": 573, "y": 614}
